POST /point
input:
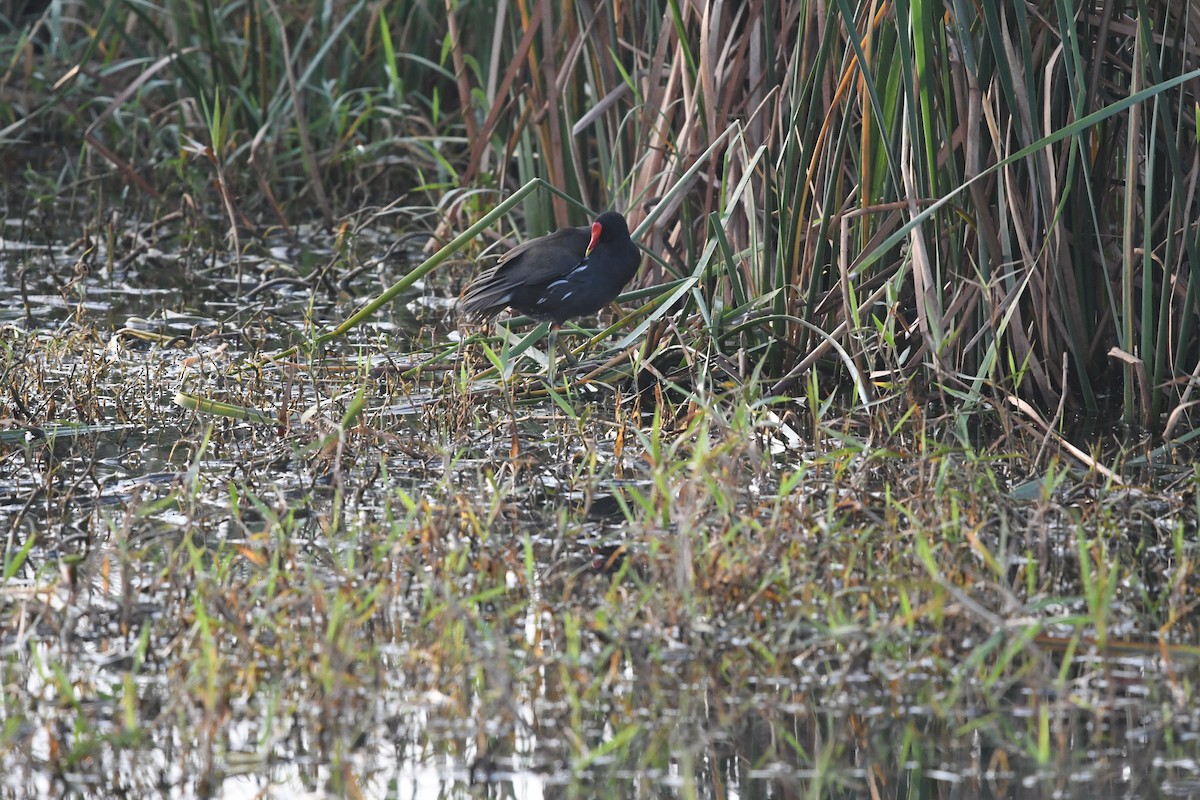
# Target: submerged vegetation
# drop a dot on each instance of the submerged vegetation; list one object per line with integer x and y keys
{"x": 817, "y": 513}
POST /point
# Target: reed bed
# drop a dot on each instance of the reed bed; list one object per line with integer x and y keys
{"x": 810, "y": 522}
{"x": 997, "y": 200}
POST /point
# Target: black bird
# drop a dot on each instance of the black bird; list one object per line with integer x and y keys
{"x": 572, "y": 272}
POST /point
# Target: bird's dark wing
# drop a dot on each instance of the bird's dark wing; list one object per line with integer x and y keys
{"x": 532, "y": 263}
{"x": 548, "y": 257}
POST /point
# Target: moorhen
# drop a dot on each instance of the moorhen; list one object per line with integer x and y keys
{"x": 572, "y": 272}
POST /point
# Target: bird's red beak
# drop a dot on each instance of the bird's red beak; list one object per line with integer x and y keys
{"x": 596, "y": 228}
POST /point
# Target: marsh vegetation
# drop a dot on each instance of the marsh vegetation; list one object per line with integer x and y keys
{"x": 880, "y": 483}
